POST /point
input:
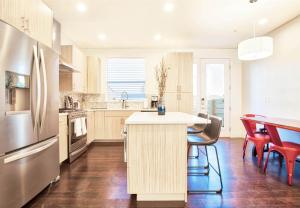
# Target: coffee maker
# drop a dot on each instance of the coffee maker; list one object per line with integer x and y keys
{"x": 154, "y": 101}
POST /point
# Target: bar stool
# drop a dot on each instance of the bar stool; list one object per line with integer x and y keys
{"x": 196, "y": 129}
{"x": 208, "y": 137}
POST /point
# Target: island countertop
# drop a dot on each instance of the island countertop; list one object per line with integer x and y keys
{"x": 168, "y": 118}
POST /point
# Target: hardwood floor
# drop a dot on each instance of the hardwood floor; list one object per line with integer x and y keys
{"x": 98, "y": 179}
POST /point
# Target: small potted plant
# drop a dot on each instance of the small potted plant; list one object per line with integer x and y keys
{"x": 161, "y": 73}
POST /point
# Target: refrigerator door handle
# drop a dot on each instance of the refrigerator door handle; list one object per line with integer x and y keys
{"x": 21, "y": 155}
{"x": 45, "y": 84}
{"x": 38, "y": 81}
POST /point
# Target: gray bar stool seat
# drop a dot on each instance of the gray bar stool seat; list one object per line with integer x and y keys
{"x": 197, "y": 128}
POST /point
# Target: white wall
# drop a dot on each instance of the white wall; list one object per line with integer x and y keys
{"x": 152, "y": 58}
{"x": 272, "y": 86}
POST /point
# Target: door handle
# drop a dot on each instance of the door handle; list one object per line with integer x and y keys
{"x": 38, "y": 81}
{"x": 21, "y": 155}
{"x": 45, "y": 93}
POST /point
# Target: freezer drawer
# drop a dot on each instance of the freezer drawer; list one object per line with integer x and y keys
{"x": 23, "y": 174}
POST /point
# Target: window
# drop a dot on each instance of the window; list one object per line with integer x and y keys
{"x": 126, "y": 74}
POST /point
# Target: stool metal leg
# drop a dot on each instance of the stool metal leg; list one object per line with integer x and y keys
{"x": 200, "y": 166}
{"x": 197, "y": 156}
{"x": 218, "y": 172}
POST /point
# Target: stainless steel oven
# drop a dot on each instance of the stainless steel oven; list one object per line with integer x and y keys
{"x": 77, "y": 121}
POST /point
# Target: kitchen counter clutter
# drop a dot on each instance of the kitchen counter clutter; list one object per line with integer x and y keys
{"x": 156, "y": 154}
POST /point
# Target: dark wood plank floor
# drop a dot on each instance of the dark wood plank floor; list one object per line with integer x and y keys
{"x": 98, "y": 179}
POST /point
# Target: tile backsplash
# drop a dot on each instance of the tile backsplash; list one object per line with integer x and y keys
{"x": 98, "y": 101}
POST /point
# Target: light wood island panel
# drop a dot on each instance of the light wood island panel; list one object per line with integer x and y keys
{"x": 157, "y": 162}
{"x": 156, "y": 153}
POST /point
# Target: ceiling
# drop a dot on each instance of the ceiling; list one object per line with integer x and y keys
{"x": 192, "y": 23}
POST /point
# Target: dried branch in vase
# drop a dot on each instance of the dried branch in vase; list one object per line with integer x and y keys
{"x": 161, "y": 78}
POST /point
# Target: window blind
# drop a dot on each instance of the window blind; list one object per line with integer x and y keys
{"x": 126, "y": 74}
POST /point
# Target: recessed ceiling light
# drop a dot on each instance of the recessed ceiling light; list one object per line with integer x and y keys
{"x": 263, "y": 21}
{"x": 102, "y": 36}
{"x": 81, "y": 7}
{"x": 157, "y": 37}
{"x": 169, "y": 7}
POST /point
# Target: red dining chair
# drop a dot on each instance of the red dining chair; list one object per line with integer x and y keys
{"x": 288, "y": 150}
{"x": 259, "y": 139}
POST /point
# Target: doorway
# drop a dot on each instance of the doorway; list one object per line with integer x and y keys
{"x": 212, "y": 90}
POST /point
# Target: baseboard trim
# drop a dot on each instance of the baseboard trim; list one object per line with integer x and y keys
{"x": 116, "y": 142}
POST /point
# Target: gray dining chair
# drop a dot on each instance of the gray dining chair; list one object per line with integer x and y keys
{"x": 208, "y": 137}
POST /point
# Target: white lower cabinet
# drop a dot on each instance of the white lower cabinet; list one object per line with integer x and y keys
{"x": 90, "y": 127}
{"x": 108, "y": 125}
{"x": 63, "y": 138}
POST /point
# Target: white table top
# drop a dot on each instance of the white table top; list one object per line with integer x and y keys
{"x": 169, "y": 118}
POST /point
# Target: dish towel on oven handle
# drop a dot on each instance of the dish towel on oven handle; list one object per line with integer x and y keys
{"x": 77, "y": 127}
{"x": 83, "y": 126}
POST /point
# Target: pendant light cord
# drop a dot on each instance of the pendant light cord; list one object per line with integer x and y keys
{"x": 254, "y": 22}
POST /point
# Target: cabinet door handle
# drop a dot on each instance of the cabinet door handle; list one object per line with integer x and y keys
{"x": 27, "y": 24}
{"x": 23, "y": 23}
{"x": 178, "y": 88}
{"x": 178, "y": 96}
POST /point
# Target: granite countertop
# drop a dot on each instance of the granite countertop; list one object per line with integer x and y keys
{"x": 169, "y": 118}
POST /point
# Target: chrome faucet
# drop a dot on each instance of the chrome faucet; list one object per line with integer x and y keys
{"x": 124, "y": 98}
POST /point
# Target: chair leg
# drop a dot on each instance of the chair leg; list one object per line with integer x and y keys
{"x": 188, "y": 151}
{"x": 219, "y": 169}
{"x": 207, "y": 160}
{"x": 244, "y": 145}
{"x": 290, "y": 168}
{"x": 197, "y": 152}
{"x": 280, "y": 160}
{"x": 244, "y": 148}
{"x": 260, "y": 151}
{"x": 290, "y": 165}
{"x": 266, "y": 162}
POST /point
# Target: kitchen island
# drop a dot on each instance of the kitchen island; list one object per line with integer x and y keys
{"x": 156, "y": 152}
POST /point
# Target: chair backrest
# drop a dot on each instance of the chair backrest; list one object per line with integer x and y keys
{"x": 253, "y": 123}
{"x": 248, "y": 126}
{"x": 202, "y": 115}
{"x": 213, "y": 129}
{"x": 273, "y": 133}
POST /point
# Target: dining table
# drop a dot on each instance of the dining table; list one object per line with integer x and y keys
{"x": 283, "y": 123}
{"x": 279, "y": 123}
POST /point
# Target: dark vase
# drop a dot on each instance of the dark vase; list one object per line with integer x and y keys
{"x": 161, "y": 108}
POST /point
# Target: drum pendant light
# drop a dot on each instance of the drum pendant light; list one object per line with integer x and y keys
{"x": 255, "y": 48}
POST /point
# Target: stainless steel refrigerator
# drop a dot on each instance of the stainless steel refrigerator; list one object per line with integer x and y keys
{"x": 29, "y": 103}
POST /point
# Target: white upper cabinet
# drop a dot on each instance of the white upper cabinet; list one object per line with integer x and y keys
{"x": 32, "y": 17}
{"x": 76, "y": 82}
{"x": 171, "y": 61}
{"x": 185, "y": 72}
{"x": 93, "y": 74}
{"x": 179, "y": 87}
{"x": 180, "y": 72}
